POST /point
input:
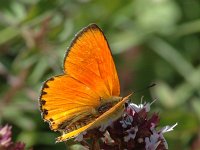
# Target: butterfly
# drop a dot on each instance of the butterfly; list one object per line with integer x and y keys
{"x": 87, "y": 94}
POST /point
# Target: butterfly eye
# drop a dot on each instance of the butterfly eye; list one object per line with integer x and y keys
{"x": 126, "y": 104}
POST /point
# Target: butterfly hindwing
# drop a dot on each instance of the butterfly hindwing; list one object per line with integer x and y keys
{"x": 109, "y": 116}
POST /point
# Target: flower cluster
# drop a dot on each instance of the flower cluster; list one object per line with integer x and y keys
{"x": 134, "y": 130}
{"x": 6, "y": 142}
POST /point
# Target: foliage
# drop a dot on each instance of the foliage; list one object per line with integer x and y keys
{"x": 151, "y": 40}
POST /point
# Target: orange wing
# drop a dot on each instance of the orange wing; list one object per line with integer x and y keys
{"x": 89, "y": 60}
{"x": 64, "y": 100}
{"x": 76, "y": 100}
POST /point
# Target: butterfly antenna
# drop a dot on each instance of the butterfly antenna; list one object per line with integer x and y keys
{"x": 143, "y": 89}
{"x": 153, "y": 101}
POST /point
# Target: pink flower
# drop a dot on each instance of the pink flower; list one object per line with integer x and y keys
{"x": 136, "y": 129}
{"x": 5, "y": 136}
{"x": 6, "y": 142}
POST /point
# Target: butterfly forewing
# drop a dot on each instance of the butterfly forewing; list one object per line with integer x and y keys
{"x": 89, "y": 60}
{"x": 64, "y": 98}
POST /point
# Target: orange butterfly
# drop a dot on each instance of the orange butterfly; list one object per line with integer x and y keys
{"x": 87, "y": 94}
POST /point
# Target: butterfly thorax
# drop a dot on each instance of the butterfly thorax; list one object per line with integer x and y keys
{"x": 106, "y": 104}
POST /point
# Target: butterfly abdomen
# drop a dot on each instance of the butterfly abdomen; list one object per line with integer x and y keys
{"x": 77, "y": 124}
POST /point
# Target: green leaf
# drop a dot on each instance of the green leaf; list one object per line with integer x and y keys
{"x": 8, "y": 34}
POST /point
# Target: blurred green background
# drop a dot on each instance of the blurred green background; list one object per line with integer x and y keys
{"x": 152, "y": 41}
